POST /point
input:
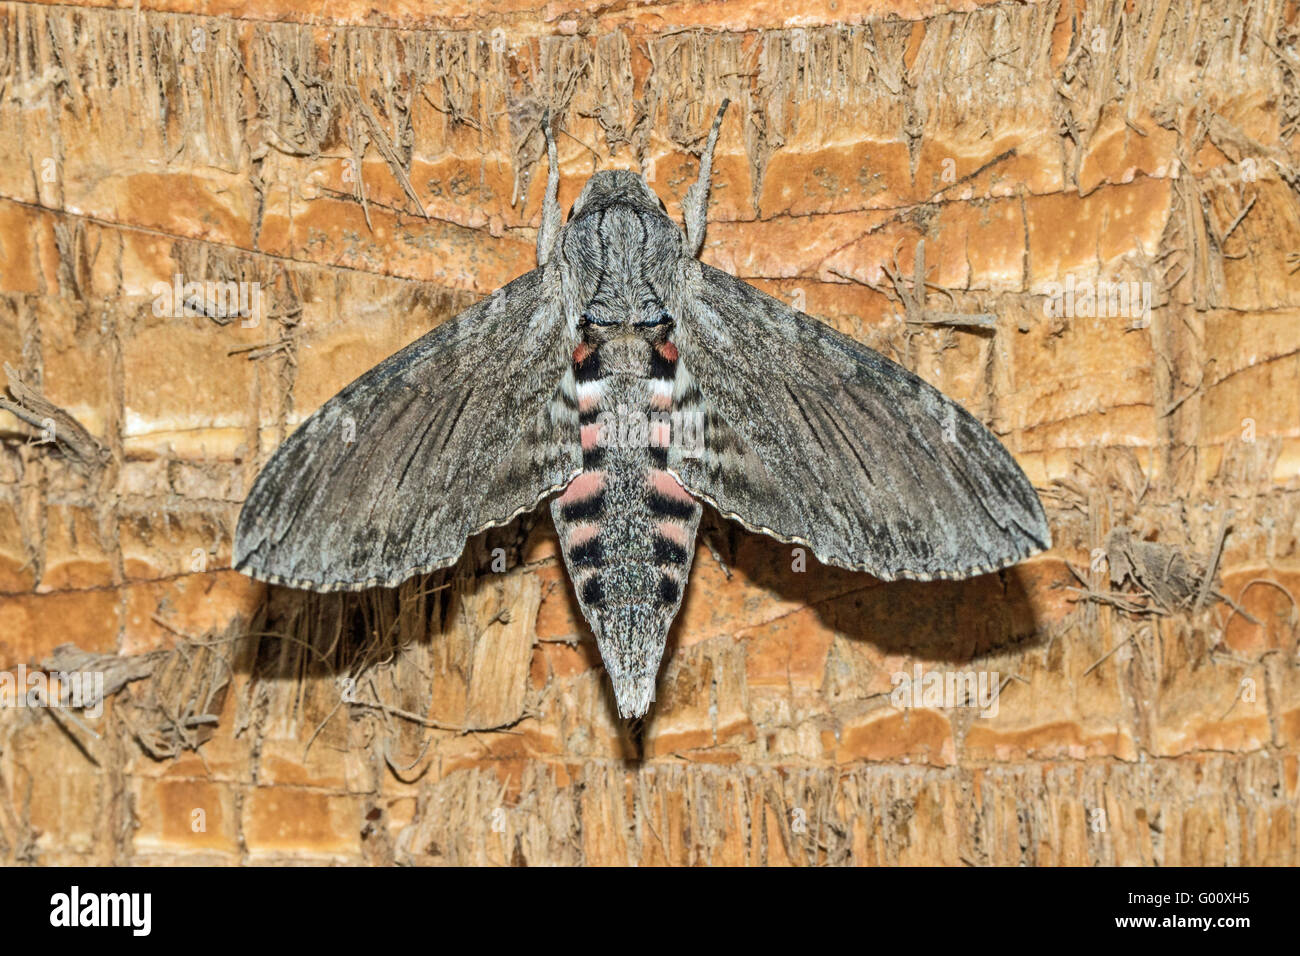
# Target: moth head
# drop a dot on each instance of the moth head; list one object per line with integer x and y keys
{"x": 617, "y": 187}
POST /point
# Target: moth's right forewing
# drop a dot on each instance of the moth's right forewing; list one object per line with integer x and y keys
{"x": 814, "y": 438}
{"x": 462, "y": 430}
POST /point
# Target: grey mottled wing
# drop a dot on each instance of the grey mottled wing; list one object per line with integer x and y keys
{"x": 816, "y": 439}
{"x": 458, "y": 432}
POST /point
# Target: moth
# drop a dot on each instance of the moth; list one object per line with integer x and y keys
{"x": 631, "y": 384}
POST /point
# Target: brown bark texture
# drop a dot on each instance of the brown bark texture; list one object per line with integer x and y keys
{"x": 971, "y": 188}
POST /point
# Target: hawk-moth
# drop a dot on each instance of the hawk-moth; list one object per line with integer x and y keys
{"x": 633, "y": 383}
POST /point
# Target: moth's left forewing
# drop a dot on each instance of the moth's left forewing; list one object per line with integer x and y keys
{"x": 463, "y": 430}
{"x": 813, "y": 438}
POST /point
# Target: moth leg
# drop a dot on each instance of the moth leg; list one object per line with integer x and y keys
{"x": 712, "y": 532}
{"x": 551, "y": 218}
{"x": 696, "y": 204}
{"x": 717, "y": 555}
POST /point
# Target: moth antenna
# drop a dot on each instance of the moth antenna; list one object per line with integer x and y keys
{"x": 551, "y": 218}
{"x": 696, "y": 204}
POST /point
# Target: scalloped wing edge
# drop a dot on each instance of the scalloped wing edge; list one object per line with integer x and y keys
{"x": 392, "y": 581}
{"x": 864, "y": 566}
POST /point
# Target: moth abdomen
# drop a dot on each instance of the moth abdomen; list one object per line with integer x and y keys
{"x": 667, "y": 499}
{"x": 588, "y": 554}
{"x": 626, "y": 525}
{"x": 667, "y": 550}
{"x": 584, "y": 499}
{"x": 663, "y": 362}
{"x": 593, "y": 591}
{"x": 586, "y": 364}
{"x": 670, "y": 591}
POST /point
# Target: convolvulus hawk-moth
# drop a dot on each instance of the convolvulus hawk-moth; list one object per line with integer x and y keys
{"x": 636, "y": 382}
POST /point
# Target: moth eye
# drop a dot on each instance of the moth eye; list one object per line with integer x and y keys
{"x": 589, "y": 319}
